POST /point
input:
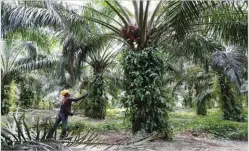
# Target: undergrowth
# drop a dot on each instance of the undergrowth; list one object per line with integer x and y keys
{"x": 212, "y": 124}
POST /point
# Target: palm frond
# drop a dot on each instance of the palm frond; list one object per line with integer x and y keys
{"x": 32, "y": 50}
{"x": 154, "y": 14}
{"x": 39, "y": 36}
{"x": 18, "y": 136}
{"x": 144, "y": 23}
{"x": 232, "y": 64}
{"x": 34, "y": 65}
{"x": 199, "y": 48}
{"x": 135, "y": 5}
{"x": 124, "y": 11}
{"x": 51, "y": 14}
{"x": 11, "y": 58}
{"x": 180, "y": 15}
{"x": 22, "y": 16}
{"x": 228, "y": 22}
{"x": 118, "y": 13}
{"x": 140, "y": 15}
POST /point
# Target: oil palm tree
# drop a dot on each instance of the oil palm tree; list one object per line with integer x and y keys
{"x": 99, "y": 60}
{"x": 231, "y": 66}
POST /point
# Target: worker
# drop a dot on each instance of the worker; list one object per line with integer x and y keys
{"x": 65, "y": 111}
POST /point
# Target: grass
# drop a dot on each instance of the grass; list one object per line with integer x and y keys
{"x": 113, "y": 123}
{"x": 212, "y": 124}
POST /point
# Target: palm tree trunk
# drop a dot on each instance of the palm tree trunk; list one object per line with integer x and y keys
{"x": 143, "y": 71}
{"x": 5, "y": 95}
{"x": 71, "y": 66}
{"x": 188, "y": 102}
{"x": 232, "y": 109}
{"x": 96, "y": 105}
{"x": 201, "y": 108}
{"x": 201, "y": 105}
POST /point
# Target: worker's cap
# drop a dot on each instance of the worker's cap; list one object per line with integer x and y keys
{"x": 64, "y": 92}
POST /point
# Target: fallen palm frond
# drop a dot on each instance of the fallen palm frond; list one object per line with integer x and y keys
{"x": 32, "y": 134}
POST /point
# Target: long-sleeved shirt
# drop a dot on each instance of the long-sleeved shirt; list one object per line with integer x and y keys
{"x": 67, "y": 103}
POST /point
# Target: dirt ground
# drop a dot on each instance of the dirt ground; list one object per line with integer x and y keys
{"x": 183, "y": 142}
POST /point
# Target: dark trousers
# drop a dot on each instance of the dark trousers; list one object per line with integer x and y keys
{"x": 62, "y": 117}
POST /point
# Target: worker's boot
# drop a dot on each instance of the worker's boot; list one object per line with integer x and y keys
{"x": 63, "y": 134}
{"x": 50, "y": 133}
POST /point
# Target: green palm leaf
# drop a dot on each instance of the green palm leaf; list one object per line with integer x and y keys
{"x": 231, "y": 63}
{"x": 180, "y": 15}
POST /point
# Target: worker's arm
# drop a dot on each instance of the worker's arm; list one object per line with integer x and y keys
{"x": 77, "y": 99}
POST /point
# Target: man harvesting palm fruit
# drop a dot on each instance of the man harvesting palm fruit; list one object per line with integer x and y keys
{"x": 65, "y": 111}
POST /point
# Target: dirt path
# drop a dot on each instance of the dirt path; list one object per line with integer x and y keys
{"x": 180, "y": 143}
{"x": 193, "y": 144}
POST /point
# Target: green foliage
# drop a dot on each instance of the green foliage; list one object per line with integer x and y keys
{"x": 99, "y": 60}
{"x": 45, "y": 104}
{"x": 12, "y": 96}
{"x": 146, "y": 107}
{"x": 115, "y": 113}
{"x": 107, "y": 126}
{"x": 231, "y": 67}
{"x": 227, "y": 129}
{"x": 27, "y": 96}
{"x": 228, "y": 22}
{"x": 230, "y": 104}
{"x": 113, "y": 122}
{"x": 201, "y": 108}
{"x": 212, "y": 124}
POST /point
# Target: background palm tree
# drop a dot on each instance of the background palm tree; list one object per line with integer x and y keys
{"x": 99, "y": 60}
{"x": 231, "y": 66}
